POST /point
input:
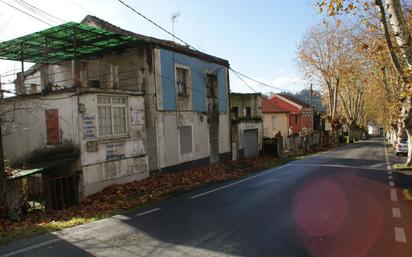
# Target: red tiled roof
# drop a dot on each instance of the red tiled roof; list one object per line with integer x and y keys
{"x": 295, "y": 100}
{"x": 269, "y": 106}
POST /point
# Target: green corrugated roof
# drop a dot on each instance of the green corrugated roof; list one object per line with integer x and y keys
{"x": 64, "y": 42}
{"x": 41, "y": 168}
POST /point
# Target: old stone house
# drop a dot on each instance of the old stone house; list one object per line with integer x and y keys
{"x": 115, "y": 105}
{"x": 247, "y": 125}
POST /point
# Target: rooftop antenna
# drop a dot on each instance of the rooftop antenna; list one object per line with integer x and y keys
{"x": 174, "y": 17}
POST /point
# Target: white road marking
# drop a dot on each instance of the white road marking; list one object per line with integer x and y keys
{"x": 390, "y": 172}
{"x": 388, "y": 165}
{"x": 29, "y": 248}
{"x": 396, "y": 213}
{"x": 390, "y": 177}
{"x": 391, "y": 183}
{"x": 400, "y": 235}
{"x": 237, "y": 182}
{"x": 334, "y": 166}
{"x": 394, "y": 197}
{"x": 149, "y": 211}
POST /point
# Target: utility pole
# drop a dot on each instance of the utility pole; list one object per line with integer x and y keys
{"x": 3, "y": 192}
{"x": 311, "y": 108}
{"x": 174, "y": 17}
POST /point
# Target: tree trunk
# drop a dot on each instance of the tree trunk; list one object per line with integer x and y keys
{"x": 409, "y": 133}
{"x": 400, "y": 28}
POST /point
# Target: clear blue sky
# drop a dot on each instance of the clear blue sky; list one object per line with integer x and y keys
{"x": 259, "y": 38}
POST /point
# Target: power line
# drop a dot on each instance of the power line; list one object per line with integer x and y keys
{"x": 184, "y": 42}
{"x": 38, "y": 11}
{"x": 157, "y": 25}
{"x": 28, "y": 14}
{"x": 263, "y": 98}
{"x": 81, "y": 7}
{"x": 252, "y": 79}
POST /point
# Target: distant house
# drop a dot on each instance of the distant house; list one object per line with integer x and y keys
{"x": 296, "y": 115}
{"x": 116, "y": 105}
{"x": 275, "y": 119}
{"x": 247, "y": 125}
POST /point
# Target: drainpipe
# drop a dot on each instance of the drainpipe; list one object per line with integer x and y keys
{"x": 229, "y": 104}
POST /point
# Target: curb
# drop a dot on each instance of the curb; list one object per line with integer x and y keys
{"x": 408, "y": 196}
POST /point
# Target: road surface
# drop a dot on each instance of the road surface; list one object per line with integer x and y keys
{"x": 342, "y": 203}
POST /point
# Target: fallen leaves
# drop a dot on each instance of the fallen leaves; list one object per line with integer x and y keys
{"x": 116, "y": 198}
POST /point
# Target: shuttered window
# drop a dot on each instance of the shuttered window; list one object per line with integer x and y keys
{"x": 52, "y": 126}
{"x": 185, "y": 139}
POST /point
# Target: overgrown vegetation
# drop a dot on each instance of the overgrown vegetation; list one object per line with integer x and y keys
{"x": 402, "y": 166}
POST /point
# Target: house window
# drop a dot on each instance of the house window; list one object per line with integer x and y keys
{"x": 185, "y": 139}
{"x": 248, "y": 112}
{"x": 235, "y": 111}
{"x": 211, "y": 85}
{"x": 274, "y": 122}
{"x": 111, "y": 115}
{"x": 296, "y": 119}
{"x": 182, "y": 78}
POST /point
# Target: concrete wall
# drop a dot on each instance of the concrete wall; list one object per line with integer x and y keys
{"x": 114, "y": 159}
{"x": 192, "y": 110}
{"x": 241, "y": 101}
{"x": 103, "y": 161}
{"x": 28, "y": 133}
{"x": 281, "y": 124}
{"x": 129, "y": 70}
{"x": 245, "y": 125}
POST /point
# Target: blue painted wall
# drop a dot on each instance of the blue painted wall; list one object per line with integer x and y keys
{"x": 198, "y": 88}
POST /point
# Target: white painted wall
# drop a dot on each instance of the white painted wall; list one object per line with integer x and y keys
{"x": 224, "y": 133}
{"x": 30, "y": 132}
{"x": 242, "y": 126}
{"x": 281, "y": 124}
{"x": 95, "y": 164}
{"x": 169, "y": 137}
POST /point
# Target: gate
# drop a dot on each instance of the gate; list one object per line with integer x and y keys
{"x": 62, "y": 192}
{"x": 251, "y": 143}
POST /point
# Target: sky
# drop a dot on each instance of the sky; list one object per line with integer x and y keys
{"x": 258, "y": 38}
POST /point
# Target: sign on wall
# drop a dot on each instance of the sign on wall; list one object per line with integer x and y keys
{"x": 89, "y": 127}
{"x": 137, "y": 118}
{"x": 115, "y": 151}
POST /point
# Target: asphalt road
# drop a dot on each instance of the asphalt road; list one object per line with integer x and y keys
{"x": 342, "y": 203}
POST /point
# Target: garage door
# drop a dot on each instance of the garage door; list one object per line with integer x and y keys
{"x": 251, "y": 143}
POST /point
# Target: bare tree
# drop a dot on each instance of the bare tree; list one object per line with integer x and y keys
{"x": 398, "y": 41}
{"x": 322, "y": 56}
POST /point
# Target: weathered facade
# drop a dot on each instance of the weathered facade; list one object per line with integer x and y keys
{"x": 152, "y": 107}
{"x": 247, "y": 125}
{"x": 275, "y": 120}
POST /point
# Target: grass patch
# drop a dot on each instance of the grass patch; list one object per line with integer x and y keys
{"x": 32, "y": 230}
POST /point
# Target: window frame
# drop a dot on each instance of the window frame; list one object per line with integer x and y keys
{"x": 248, "y": 108}
{"x": 112, "y": 106}
{"x": 215, "y": 87}
{"x": 188, "y": 79}
{"x": 235, "y": 112}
